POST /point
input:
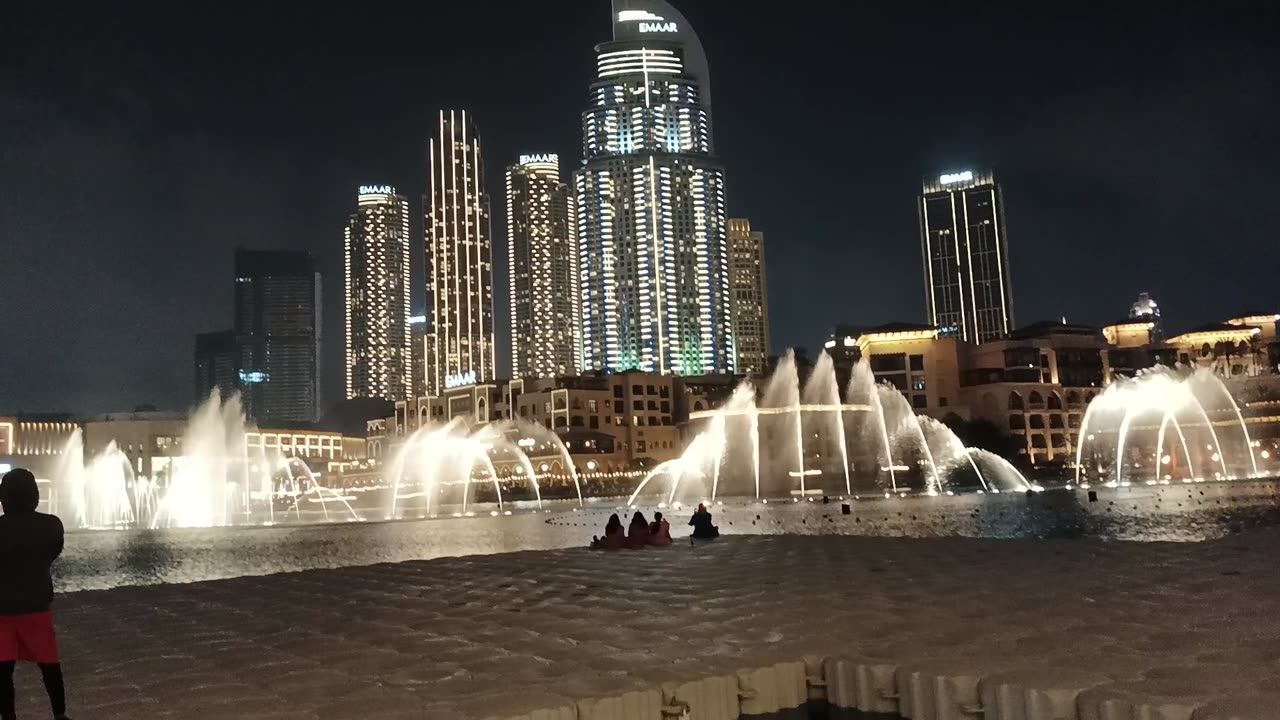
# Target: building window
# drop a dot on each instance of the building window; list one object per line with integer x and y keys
{"x": 666, "y": 406}
{"x": 1055, "y": 421}
{"x": 593, "y": 406}
{"x": 917, "y": 383}
{"x": 593, "y": 422}
{"x": 1015, "y": 401}
{"x": 1038, "y": 442}
{"x": 942, "y": 402}
{"x": 664, "y": 391}
{"x": 1037, "y": 422}
{"x": 917, "y": 362}
{"x": 637, "y": 405}
{"x": 652, "y": 390}
{"x": 919, "y": 402}
{"x": 1017, "y": 422}
{"x": 617, "y": 391}
{"x": 637, "y": 390}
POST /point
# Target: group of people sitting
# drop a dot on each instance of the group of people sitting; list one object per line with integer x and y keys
{"x": 642, "y": 533}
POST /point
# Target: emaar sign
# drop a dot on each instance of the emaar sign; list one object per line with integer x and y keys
{"x": 657, "y": 27}
{"x": 460, "y": 380}
{"x": 950, "y": 178}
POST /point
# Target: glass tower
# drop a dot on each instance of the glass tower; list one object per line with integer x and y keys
{"x": 543, "y": 269}
{"x": 376, "y": 283}
{"x": 653, "y": 251}
{"x": 460, "y": 342}
{"x": 278, "y": 334}
{"x": 966, "y": 256}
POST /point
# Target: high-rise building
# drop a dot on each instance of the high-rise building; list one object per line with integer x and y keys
{"x": 654, "y": 256}
{"x": 278, "y": 331}
{"x": 418, "y": 353}
{"x": 376, "y": 282}
{"x": 750, "y": 296}
{"x": 966, "y": 256}
{"x": 542, "y": 263}
{"x": 217, "y": 364}
{"x": 460, "y": 341}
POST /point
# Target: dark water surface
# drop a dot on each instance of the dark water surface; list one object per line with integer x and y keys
{"x": 1181, "y": 513}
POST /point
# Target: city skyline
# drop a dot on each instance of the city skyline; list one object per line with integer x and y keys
{"x": 1104, "y": 236}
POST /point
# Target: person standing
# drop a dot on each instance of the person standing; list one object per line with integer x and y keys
{"x": 29, "y": 543}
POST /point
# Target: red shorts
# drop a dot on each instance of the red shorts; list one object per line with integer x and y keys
{"x": 28, "y": 638}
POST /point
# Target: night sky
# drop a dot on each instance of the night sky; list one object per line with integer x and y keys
{"x": 1136, "y": 144}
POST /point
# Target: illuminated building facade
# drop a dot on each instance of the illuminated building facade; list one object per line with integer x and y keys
{"x": 543, "y": 269}
{"x": 966, "y": 256}
{"x": 277, "y": 326}
{"x": 376, "y": 284}
{"x": 653, "y": 246}
{"x": 750, "y": 297}
{"x": 418, "y": 353}
{"x": 1147, "y": 309}
{"x": 460, "y": 340}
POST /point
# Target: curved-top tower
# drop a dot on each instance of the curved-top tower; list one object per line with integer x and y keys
{"x": 651, "y": 209}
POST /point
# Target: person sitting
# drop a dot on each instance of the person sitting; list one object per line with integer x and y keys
{"x": 659, "y": 531}
{"x": 613, "y": 536}
{"x": 638, "y": 533}
{"x": 703, "y": 529}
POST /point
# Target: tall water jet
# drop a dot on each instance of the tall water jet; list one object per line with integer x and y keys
{"x": 203, "y": 481}
{"x": 862, "y": 391}
{"x": 782, "y": 403}
{"x": 822, "y": 394}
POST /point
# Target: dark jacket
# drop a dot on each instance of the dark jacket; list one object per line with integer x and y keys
{"x": 29, "y": 543}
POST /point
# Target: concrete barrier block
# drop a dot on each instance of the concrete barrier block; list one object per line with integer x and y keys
{"x": 713, "y": 698}
{"x": 1256, "y": 707}
{"x": 637, "y": 705}
{"x": 1037, "y": 694}
{"x": 1111, "y": 702}
{"x": 772, "y": 688}
{"x": 861, "y": 684}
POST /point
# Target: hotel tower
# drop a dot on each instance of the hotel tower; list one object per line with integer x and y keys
{"x": 653, "y": 246}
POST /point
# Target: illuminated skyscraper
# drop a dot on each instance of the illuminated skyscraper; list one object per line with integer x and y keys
{"x": 277, "y": 327}
{"x": 376, "y": 280}
{"x": 460, "y": 343}
{"x": 750, "y": 296}
{"x": 966, "y": 256}
{"x": 654, "y": 257}
{"x": 543, "y": 267}
{"x": 418, "y": 354}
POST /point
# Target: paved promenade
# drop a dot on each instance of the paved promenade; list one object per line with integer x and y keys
{"x": 502, "y": 635}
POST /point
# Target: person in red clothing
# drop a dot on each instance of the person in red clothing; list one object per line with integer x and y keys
{"x": 29, "y": 543}
{"x": 659, "y": 531}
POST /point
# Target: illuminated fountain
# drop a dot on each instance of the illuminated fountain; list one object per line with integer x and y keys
{"x": 1161, "y": 426}
{"x": 797, "y": 439}
{"x": 211, "y": 482}
{"x": 438, "y": 467}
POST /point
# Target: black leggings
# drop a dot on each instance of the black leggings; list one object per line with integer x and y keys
{"x": 52, "y": 684}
